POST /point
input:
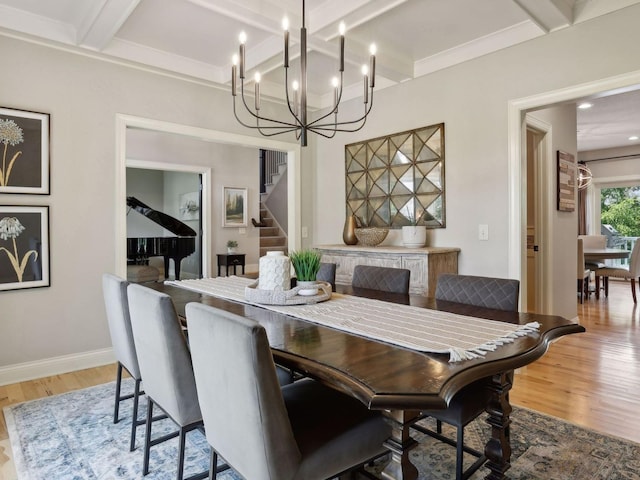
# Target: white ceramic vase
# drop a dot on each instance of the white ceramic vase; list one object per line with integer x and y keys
{"x": 274, "y": 272}
{"x": 414, "y": 236}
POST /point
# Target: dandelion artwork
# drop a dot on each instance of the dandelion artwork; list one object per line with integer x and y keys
{"x": 24, "y": 146}
{"x": 24, "y": 249}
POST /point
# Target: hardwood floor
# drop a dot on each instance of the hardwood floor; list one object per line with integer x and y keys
{"x": 590, "y": 379}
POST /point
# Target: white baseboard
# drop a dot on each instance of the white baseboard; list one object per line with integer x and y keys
{"x": 53, "y": 366}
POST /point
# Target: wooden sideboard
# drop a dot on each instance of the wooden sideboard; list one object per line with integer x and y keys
{"x": 424, "y": 263}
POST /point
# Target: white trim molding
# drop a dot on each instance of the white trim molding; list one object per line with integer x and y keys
{"x": 21, "y": 372}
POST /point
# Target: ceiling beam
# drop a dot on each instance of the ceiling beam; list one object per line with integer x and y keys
{"x": 97, "y": 29}
{"x": 549, "y": 15}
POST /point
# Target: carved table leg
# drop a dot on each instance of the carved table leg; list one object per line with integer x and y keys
{"x": 498, "y": 448}
{"x": 400, "y": 443}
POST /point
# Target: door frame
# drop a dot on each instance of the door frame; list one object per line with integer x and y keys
{"x": 543, "y": 131}
{"x": 516, "y": 135}
{"x": 124, "y": 122}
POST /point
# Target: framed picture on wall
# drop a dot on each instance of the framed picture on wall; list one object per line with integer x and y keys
{"x": 24, "y": 247}
{"x": 24, "y": 143}
{"x": 234, "y": 207}
{"x": 567, "y": 174}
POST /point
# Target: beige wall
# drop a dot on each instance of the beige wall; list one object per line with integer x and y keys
{"x": 84, "y": 95}
{"x": 472, "y": 99}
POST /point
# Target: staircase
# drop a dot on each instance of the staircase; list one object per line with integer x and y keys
{"x": 272, "y": 238}
{"x": 272, "y": 171}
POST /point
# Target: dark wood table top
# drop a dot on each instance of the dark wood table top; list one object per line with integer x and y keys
{"x": 385, "y": 376}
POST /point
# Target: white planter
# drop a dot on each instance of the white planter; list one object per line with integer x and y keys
{"x": 307, "y": 288}
{"x": 414, "y": 236}
{"x": 231, "y": 250}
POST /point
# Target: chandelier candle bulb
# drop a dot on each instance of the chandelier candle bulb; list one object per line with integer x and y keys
{"x": 342, "y": 29}
{"x": 257, "y": 80}
{"x": 243, "y": 39}
{"x": 285, "y": 26}
{"x": 365, "y": 77}
{"x": 295, "y": 97}
{"x": 234, "y": 73}
{"x": 372, "y": 67}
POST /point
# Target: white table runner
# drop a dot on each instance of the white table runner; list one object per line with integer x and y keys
{"x": 421, "y": 329}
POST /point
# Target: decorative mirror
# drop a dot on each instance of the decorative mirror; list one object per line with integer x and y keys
{"x": 398, "y": 179}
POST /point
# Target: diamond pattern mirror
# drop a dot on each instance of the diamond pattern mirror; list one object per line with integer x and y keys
{"x": 397, "y": 180}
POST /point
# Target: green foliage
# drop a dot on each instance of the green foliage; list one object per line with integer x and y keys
{"x": 232, "y": 244}
{"x": 624, "y": 216}
{"x": 306, "y": 263}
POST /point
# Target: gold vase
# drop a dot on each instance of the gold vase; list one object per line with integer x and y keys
{"x": 349, "y": 232}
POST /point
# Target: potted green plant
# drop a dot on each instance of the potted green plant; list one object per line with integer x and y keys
{"x": 231, "y": 246}
{"x": 306, "y": 264}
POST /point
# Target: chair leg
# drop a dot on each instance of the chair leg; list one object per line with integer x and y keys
{"x": 597, "y": 287}
{"x": 581, "y": 289}
{"x": 181, "y": 447}
{"x": 134, "y": 419}
{"x": 459, "y": 453}
{"x": 147, "y": 440}
{"x": 116, "y": 408}
{"x": 606, "y": 287}
{"x": 213, "y": 465}
{"x": 633, "y": 290}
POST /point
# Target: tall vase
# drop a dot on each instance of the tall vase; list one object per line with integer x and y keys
{"x": 274, "y": 272}
{"x": 349, "y": 232}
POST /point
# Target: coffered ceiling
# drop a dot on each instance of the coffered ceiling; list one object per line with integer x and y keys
{"x": 196, "y": 38}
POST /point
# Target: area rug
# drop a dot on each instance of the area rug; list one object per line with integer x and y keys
{"x": 72, "y": 436}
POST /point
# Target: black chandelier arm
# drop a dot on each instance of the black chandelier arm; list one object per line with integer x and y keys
{"x": 334, "y": 110}
{"x": 334, "y": 125}
{"x": 258, "y": 117}
{"x": 283, "y": 129}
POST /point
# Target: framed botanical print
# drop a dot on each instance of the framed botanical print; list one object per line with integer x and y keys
{"x": 24, "y": 247}
{"x": 24, "y": 145}
{"x": 234, "y": 207}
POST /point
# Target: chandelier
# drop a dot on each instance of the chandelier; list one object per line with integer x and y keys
{"x": 326, "y": 125}
{"x": 584, "y": 176}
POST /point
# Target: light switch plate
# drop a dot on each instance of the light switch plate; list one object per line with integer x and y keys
{"x": 483, "y": 232}
{"x": 304, "y": 232}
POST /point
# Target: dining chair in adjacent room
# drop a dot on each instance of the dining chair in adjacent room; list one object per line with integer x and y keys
{"x": 165, "y": 364}
{"x": 327, "y": 273}
{"x": 631, "y": 273}
{"x": 472, "y": 400}
{"x": 114, "y": 290}
{"x": 384, "y": 279}
{"x": 583, "y": 273}
{"x": 302, "y": 431}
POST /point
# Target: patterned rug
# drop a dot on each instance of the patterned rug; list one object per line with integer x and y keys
{"x": 72, "y": 436}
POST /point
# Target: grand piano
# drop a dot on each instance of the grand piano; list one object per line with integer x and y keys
{"x": 139, "y": 249}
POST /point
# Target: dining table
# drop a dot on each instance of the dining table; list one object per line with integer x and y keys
{"x": 600, "y": 254}
{"x": 399, "y": 382}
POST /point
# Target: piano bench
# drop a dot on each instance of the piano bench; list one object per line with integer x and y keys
{"x": 142, "y": 273}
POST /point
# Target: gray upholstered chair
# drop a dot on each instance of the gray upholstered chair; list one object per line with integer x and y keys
{"x": 632, "y": 273}
{"x": 496, "y": 293}
{"x": 165, "y": 364}
{"x": 472, "y": 400}
{"x": 300, "y": 431}
{"x": 385, "y": 279}
{"x": 115, "y": 299}
{"x": 327, "y": 273}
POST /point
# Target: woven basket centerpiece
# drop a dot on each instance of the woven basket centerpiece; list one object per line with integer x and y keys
{"x": 371, "y": 236}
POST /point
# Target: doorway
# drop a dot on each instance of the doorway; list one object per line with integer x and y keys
{"x": 128, "y": 123}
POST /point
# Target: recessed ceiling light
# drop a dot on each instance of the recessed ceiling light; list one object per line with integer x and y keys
{"x": 633, "y": 137}
{"x": 585, "y": 105}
